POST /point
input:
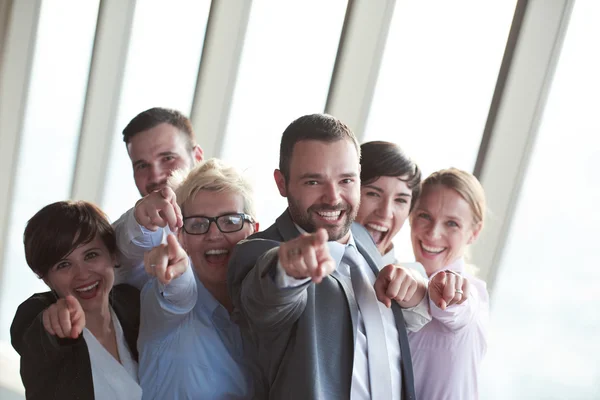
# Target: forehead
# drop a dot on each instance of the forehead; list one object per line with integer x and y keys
{"x": 94, "y": 244}
{"x": 211, "y": 204}
{"x": 444, "y": 201}
{"x": 163, "y": 137}
{"x": 328, "y": 158}
{"x": 391, "y": 184}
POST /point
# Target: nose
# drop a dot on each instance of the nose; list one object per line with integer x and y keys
{"x": 434, "y": 231}
{"x": 158, "y": 174}
{"x": 384, "y": 209}
{"x": 331, "y": 195}
{"x": 213, "y": 232}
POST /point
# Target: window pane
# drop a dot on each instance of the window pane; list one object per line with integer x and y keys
{"x": 50, "y": 134}
{"x": 161, "y": 71}
{"x": 284, "y": 73}
{"x": 436, "y": 82}
{"x": 545, "y": 319}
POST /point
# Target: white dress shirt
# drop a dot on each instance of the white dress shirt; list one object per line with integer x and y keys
{"x": 415, "y": 318}
{"x": 113, "y": 380}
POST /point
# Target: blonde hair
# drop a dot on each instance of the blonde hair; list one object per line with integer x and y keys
{"x": 216, "y": 176}
{"x": 463, "y": 183}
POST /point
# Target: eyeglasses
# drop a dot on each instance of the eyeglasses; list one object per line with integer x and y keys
{"x": 227, "y": 223}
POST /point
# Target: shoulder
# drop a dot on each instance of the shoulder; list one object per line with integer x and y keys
{"x": 126, "y": 296}
{"x": 27, "y": 313}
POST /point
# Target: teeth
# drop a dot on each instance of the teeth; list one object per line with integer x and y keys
{"x": 378, "y": 228}
{"x": 330, "y": 214}
{"x": 432, "y": 249}
{"x": 216, "y": 252}
{"x": 87, "y": 288}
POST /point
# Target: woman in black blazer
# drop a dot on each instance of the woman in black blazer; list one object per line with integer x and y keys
{"x": 77, "y": 341}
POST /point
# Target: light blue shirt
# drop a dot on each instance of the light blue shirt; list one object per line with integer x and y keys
{"x": 189, "y": 348}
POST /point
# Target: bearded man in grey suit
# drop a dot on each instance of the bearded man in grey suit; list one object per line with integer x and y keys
{"x": 306, "y": 290}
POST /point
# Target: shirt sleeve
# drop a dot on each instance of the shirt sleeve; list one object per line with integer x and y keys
{"x": 418, "y": 316}
{"x": 283, "y": 280}
{"x": 165, "y": 306}
{"x": 133, "y": 240}
{"x": 457, "y": 316}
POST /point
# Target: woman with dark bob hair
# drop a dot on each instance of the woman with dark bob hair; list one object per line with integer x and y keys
{"x": 77, "y": 341}
{"x": 389, "y": 190}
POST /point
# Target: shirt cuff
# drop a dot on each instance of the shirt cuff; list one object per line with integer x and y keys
{"x": 418, "y": 316}
{"x": 283, "y": 280}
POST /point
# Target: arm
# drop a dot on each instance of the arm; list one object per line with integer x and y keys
{"x": 164, "y": 306}
{"x": 172, "y": 293}
{"x": 50, "y": 367}
{"x": 457, "y": 316}
{"x": 265, "y": 304}
{"x": 133, "y": 240}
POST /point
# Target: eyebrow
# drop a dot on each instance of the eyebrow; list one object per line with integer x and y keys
{"x": 377, "y": 189}
{"x": 312, "y": 175}
{"x": 162, "y": 154}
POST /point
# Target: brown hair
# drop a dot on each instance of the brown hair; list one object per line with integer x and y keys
{"x": 155, "y": 116}
{"x": 59, "y": 228}
{"x": 321, "y": 127}
{"x": 465, "y": 184}
{"x": 380, "y": 158}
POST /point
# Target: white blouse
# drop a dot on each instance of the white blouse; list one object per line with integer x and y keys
{"x": 113, "y": 380}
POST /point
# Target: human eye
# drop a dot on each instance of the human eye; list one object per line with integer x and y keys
{"x": 452, "y": 224}
{"x": 311, "y": 183}
{"x": 61, "y": 265}
{"x": 401, "y": 200}
{"x": 169, "y": 158}
{"x": 91, "y": 254}
{"x": 424, "y": 216}
{"x": 233, "y": 219}
{"x": 141, "y": 166}
{"x": 372, "y": 194}
{"x": 347, "y": 181}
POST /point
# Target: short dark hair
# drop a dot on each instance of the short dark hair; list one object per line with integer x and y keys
{"x": 59, "y": 228}
{"x": 155, "y": 116}
{"x": 381, "y": 158}
{"x": 321, "y": 127}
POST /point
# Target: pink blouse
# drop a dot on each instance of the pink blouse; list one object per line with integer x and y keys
{"x": 447, "y": 352}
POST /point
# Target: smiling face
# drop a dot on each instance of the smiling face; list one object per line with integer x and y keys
{"x": 384, "y": 207}
{"x": 442, "y": 226}
{"x": 86, "y": 273}
{"x": 324, "y": 186}
{"x": 156, "y": 153}
{"x": 210, "y": 251}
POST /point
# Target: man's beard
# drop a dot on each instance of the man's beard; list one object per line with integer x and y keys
{"x": 304, "y": 220}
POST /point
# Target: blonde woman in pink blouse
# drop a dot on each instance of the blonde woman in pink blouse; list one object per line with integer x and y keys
{"x": 447, "y": 352}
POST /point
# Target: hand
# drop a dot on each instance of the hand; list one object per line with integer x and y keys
{"x": 447, "y": 288}
{"x": 159, "y": 209}
{"x": 307, "y": 256}
{"x": 401, "y": 284}
{"x": 65, "y": 318}
{"x": 166, "y": 261}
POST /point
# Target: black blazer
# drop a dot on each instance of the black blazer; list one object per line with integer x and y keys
{"x": 53, "y": 368}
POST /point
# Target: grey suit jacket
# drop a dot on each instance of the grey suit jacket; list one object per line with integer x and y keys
{"x": 305, "y": 335}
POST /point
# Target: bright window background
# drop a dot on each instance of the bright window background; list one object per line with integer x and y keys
{"x": 162, "y": 70}
{"x": 545, "y": 320}
{"x": 284, "y": 73}
{"x": 45, "y": 166}
{"x": 436, "y": 83}
{"x": 59, "y": 76}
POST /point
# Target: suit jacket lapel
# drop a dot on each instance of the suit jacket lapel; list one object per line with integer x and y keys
{"x": 286, "y": 227}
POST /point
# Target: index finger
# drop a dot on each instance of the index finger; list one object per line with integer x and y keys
{"x": 317, "y": 239}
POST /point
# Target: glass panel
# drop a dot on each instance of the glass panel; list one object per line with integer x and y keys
{"x": 546, "y": 324}
{"x": 284, "y": 73}
{"x": 59, "y": 76}
{"x": 161, "y": 71}
{"x": 436, "y": 82}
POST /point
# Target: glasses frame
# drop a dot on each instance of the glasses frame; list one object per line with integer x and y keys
{"x": 245, "y": 217}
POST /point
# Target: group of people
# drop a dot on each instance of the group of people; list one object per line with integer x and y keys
{"x": 184, "y": 297}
